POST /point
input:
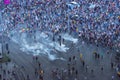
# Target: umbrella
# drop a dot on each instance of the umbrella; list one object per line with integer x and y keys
{"x": 72, "y": 5}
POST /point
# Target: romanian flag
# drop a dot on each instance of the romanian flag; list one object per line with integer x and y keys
{"x": 6, "y": 2}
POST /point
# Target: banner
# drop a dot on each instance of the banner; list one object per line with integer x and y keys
{"x": 6, "y": 2}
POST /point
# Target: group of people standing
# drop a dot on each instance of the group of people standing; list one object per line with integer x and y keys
{"x": 99, "y": 24}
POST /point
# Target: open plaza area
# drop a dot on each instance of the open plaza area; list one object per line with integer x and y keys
{"x": 59, "y": 39}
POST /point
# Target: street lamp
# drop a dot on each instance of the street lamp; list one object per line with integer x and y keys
{"x": 1, "y": 50}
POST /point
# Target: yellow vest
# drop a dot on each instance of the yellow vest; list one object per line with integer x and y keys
{"x": 81, "y": 56}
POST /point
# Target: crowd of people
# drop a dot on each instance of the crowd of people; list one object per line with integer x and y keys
{"x": 71, "y": 71}
{"x": 98, "y": 24}
{"x": 7, "y": 71}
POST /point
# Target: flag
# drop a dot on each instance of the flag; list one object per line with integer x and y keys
{"x": 6, "y": 1}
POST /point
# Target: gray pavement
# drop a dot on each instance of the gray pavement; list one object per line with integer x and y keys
{"x": 26, "y": 65}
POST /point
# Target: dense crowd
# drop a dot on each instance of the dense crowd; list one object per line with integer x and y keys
{"x": 99, "y": 24}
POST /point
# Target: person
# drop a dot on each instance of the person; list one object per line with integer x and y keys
{"x": 35, "y": 71}
{"x": 6, "y": 46}
{"x": 73, "y": 69}
{"x": 69, "y": 59}
{"x": 41, "y": 72}
{"x": 95, "y": 53}
{"x": 102, "y": 68}
{"x": 86, "y": 68}
{"x": 36, "y": 58}
{"x": 0, "y": 77}
{"x": 74, "y": 60}
{"x": 39, "y": 65}
{"x": 33, "y": 58}
{"x": 55, "y": 72}
{"x": 98, "y": 56}
{"x": 73, "y": 57}
{"x": 85, "y": 78}
{"x": 112, "y": 65}
{"x": 75, "y": 78}
{"x": 108, "y": 52}
{"x": 112, "y": 77}
{"x": 8, "y": 72}
{"x": 8, "y": 52}
{"x": 92, "y": 70}
{"x": 69, "y": 71}
{"x": 28, "y": 77}
{"x": 40, "y": 77}
{"x": 81, "y": 56}
{"x": 101, "y": 56}
{"x": 76, "y": 73}
{"x": 63, "y": 40}
{"x": 83, "y": 63}
{"x": 4, "y": 72}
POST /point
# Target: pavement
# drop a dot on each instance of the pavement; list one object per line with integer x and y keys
{"x": 6, "y": 70}
{"x": 26, "y": 65}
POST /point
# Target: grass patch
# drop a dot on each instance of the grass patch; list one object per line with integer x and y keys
{"x": 5, "y": 59}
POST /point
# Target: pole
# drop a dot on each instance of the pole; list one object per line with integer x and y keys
{"x": 1, "y": 46}
{"x": 68, "y": 21}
